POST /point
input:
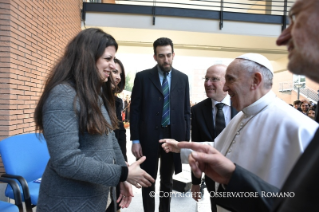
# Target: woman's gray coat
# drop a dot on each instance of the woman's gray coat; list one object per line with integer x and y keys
{"x": 82, "y": 167}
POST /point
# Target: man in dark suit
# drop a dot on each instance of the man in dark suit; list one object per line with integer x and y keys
{"x": 204, "y": 119}
{"x": 301, "y": 185}
{"x": 159, "y": 109}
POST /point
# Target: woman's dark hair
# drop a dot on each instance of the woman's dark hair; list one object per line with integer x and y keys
{"x": 121, "y": 85}
{"x": 77, "y": 67}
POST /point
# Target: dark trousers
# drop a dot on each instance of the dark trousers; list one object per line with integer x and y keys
{"x": 166, "y": 180}
{"x": 210, "y": 184}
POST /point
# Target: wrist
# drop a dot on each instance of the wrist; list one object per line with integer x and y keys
{"x": 124, "y": 173}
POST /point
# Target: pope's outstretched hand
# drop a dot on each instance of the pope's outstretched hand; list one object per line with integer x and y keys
{"x": 170, "y": 145}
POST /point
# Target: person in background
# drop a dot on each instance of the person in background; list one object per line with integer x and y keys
{"x": 297, "y": 105}
{"x": 208, "y": 118}
{"x": 77, "y": 117}
{"x": 160, "y": 109}
{"x": 311, "y": 113}
{"x": 118, "y": 75}
{"x": 304, "y": 106}
{"x": 127, "y": 104}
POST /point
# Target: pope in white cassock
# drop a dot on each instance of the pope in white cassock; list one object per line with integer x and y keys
{"x": 268, "y": 135}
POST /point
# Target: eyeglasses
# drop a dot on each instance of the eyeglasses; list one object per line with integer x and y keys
{"x": 213, "y": 79}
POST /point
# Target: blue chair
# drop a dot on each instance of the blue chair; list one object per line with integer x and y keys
{"x": 8, "y": 207}
{"x": 24, "y": 158}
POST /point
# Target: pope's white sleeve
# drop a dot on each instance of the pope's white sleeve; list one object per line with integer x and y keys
{"x": 184, "y": 153}
{"x": 210, "y": 143}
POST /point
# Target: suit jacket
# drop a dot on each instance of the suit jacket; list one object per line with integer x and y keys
{"x": 202, "y": 125}
{"x": 146, "y": 114}
{"x": 302, "y": 181}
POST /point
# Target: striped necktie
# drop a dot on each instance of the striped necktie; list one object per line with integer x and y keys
{"x": 165, "y": 89}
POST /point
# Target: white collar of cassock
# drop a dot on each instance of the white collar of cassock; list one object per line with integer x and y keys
{"x": 226, "y": 101}
{"x": 257, "y": 106}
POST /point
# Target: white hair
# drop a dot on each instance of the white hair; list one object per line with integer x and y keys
{"x": 253, "y": 67}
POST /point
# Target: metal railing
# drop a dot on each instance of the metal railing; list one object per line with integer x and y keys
{"x": 269, "y": 7}
{"x": 300, "y": 89}
{"x": 262, "y": 11}
{"x": 309, "y": 94}
{"x": 285, "y": 86}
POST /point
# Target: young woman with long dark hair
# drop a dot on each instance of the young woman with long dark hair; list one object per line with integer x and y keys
{"x": 76, "y": 114}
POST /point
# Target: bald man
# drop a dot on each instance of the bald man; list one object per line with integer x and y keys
{"x": 205, "y": 126}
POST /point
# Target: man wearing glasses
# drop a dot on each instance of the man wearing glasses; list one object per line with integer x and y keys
{"x": 209, "y": 118}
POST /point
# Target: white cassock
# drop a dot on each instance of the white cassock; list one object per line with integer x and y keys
{"x": 266, "y": 138}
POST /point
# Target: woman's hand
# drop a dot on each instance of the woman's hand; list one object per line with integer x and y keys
{"x": 126, "y": 194}
{"x": 137, "y": 176}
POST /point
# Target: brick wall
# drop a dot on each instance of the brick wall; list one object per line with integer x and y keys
{"x": 33, "y": 35}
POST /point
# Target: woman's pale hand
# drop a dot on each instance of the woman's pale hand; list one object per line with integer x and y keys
{"x": 137, "y": 176}
{"x": 126, "y": 194}
{"x": 170, "y": 145}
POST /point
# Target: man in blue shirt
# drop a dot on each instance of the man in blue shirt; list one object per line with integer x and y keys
{"x": 159, "y": 109}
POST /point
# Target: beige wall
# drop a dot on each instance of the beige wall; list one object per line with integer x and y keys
{"x": 281, "y": 77}
{"x": 197, "y": 92}
{"x": 33, "y": 35}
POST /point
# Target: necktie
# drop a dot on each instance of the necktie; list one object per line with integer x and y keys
{"x": 165, "y": 114}
{"x": 220, "y": 119}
